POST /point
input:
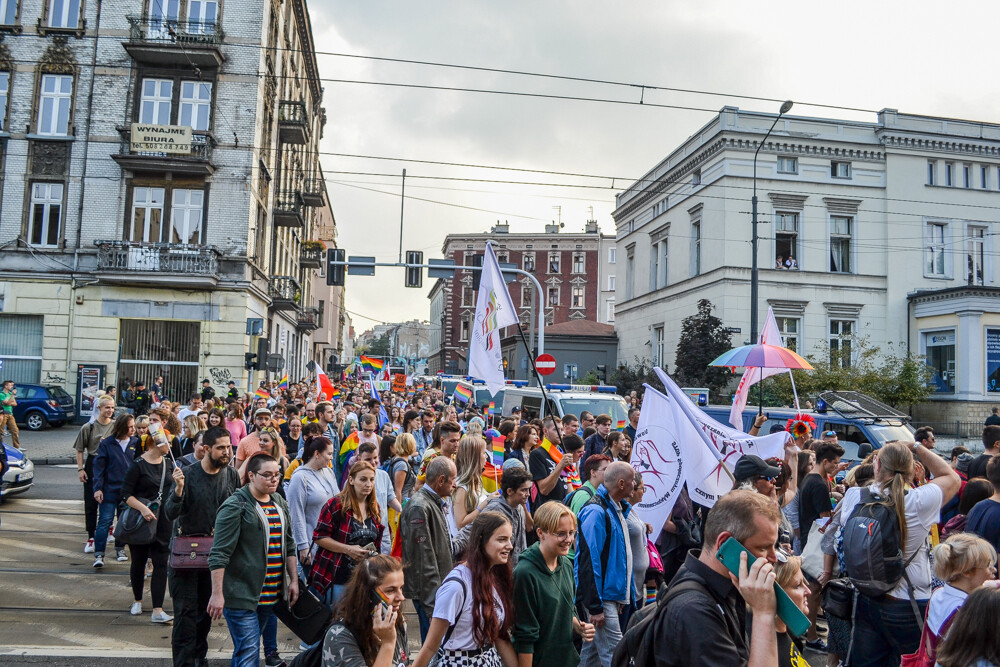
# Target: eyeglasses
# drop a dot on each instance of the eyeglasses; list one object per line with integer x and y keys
{"x": 565, "y": 536}
{"x": 269, "y": 476}
{"x": 368, "y": 430}
{"x": 781, "y": 555}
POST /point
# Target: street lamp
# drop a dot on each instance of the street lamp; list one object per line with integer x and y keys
{"x": 786, "y": 106}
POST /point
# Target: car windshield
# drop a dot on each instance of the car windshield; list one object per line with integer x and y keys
{"x": 483, "y": 397}
{"x": 886, "y": 434}
{"x": 58, "y": 392}
{"x": 598, "y": 404}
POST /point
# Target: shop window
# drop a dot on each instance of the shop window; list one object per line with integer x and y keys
{"x": 940, "y": 356}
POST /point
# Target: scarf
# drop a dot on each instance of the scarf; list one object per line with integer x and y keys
{"x": 569, "y": 475}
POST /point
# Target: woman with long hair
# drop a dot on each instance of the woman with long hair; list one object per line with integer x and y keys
{"x": 400, "y": 472}
{"x": 270, "y": 444}
{"x": 396, "y": 419}
{"x": 473, "y": 608}
{"x": 191, "y": 427}
{"x": 525, "y": 440}
{"x": 216, "y": 417}
{"x": 312, "y": 484}
{"x": 368, "y": 629}
{"x": 348, "y": 531}
{"x": 971, "y": 641}
{"x": 411, "y": 421}
{"x": 881, "y": 635}
{"x": 619, "y": 447}
{"x": 469, "y": 497}
{"x": 235, "y": 425}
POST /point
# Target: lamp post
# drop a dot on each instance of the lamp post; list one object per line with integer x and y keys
{"x": 786, "y": 106}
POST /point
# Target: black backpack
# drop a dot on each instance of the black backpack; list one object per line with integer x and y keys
{"x": 636, "y": 646}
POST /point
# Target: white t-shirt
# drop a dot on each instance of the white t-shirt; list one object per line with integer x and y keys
{"x": 922, "y": 510}
{"x": 184, "y": 413}
{"x": 451, "y": 600}
{"x": 945, "y": 600}
{"x": 384, "y": 493}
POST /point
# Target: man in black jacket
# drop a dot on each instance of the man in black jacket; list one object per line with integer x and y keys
{"x": 141, "y": 400}
{"x": 207, "y": 391}
{"x": 199, "y": 491}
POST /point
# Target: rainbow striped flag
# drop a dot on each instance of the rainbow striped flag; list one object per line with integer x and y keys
{"x": 262, "y": 393}
{"x": 498, "y": 451}
{"x": 462, "y": 393}
{"x": 650, "y": 595}
{"x": 372, "y": 364}
{"x": 335, "y": 394}
{"x": 283, "y": 385}
{"x": 348, "y": 448}
{"x": 621, "y": 425}
{"x": 490, "y": 410}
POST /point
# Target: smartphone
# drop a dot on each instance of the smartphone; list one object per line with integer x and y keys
{"x": 376, "y": 599}
{"x": 792, "y": 616}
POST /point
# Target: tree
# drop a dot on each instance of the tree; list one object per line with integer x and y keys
{"x": 628, "y": 377}
{"x": 703, "y": 338}
{"x": 379, "y": 347}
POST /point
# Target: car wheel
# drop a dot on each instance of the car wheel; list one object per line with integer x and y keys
{"x": 35, "y": 421}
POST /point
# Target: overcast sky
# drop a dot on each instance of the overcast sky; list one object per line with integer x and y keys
{"x": 913, "y": 56}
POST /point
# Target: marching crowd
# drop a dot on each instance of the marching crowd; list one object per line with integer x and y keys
{"x": 516, "y": 540}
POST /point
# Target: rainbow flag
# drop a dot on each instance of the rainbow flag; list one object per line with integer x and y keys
{"x": 372, "y": 364}
{"x": 283, "y": 385}
{"x": 569, "y": 475}
{"x": 262, "y": 393}
{"x": 464, "y": 394}
{"x": 490, "y": 409}
{"x": 498, "y": 451}
{"x": 621, "y": 425}
{"x": 335, "y": 394}
{"x": 348, "y": 448}
{"x": 650, "y": 595}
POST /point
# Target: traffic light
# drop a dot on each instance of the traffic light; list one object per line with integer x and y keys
{"x": 477, "y": 260}
{"x": 262, "y": 347}
{"x": 414, "y": 274}
{"x": 249, "y": 361}
{"x": 335, "y": 272}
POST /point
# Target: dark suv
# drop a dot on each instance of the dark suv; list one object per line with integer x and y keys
{"x": 38, "y": 405}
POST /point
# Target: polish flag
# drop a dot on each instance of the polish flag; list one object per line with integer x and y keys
{"x": 324, "y": 390}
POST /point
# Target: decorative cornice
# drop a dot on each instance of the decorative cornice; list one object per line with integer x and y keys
{"x": 929, "y": 145}
{"x": 954, "y": 293}
{"x": 6, "y": 59}
{"x": 58, "y": 58}
{"x": 843, "y": 309}
{"x": 839, "y": 205}
{"x": 787, "y": 202}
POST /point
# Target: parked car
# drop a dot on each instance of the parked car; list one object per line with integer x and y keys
{"x": 39, "y": 405}
{"x": 20, "y": 475}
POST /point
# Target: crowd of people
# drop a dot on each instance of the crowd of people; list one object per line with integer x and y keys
{"x": 517, "y": 542}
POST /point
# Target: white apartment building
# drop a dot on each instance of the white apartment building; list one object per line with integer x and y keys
{"x": 884, "y": 230}
{"x": 160, "y": 175}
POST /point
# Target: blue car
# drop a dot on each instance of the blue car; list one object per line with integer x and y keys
{"x": 40, "y": 405}
{"x": 20, "y": 473}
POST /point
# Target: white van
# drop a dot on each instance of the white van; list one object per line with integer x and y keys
{"x": 567, "y": 399}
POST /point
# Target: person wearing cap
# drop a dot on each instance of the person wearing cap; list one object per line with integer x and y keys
{"x": 206, "y": 390}
{"x": 754, "y": 471}
{"x": 233, "y": 392}
{"x": 250, "y": 445}
{"x": 141, "y": 400}
{"x": 830, "y": 436}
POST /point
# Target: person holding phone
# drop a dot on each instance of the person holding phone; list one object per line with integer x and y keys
{"x": 373, "y": 639}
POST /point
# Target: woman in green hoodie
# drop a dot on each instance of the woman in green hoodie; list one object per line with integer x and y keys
{"x": 544, "y": 594}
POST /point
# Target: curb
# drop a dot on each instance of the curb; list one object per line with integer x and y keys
{"x": 53, "y": 460}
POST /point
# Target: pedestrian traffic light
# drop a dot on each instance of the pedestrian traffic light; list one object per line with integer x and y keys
{"x": 477, "y": 260}
{"x": 414, "y": 272}
{"x": 262, "y": 347}
{"x": 249, "y": 361}
{"x": 335, "y": 272}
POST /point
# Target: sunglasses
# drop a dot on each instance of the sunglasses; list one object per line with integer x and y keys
{"x": 829, "y": 434}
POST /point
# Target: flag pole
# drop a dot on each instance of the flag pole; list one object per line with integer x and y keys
{"x": 541, "y": 385}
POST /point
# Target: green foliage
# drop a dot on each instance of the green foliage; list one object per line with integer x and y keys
{"x": 628, "y": 377}
{"x": 379, "y": 347}
{"x": 893, "y": 377}
{"x": 703, "y": 338}
{"x": 590, "y": 378}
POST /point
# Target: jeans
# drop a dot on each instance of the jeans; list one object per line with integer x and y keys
{"x": 107, "y": 511}
{"x": 424, "y": 618}
{"x": 884, "y": 630}
{"x": 606, "y": 637}
{"x": 190, "y": 591}
{"x": 246, "y": 628}
{"x": 89, "y": 504}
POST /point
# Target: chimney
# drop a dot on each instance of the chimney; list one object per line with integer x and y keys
{"x": 590, "y": 227}
{"x": 552, "y": 229}
{"x": 501, "y": 228}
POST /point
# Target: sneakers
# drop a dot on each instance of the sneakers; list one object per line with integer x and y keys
{"x": 122, "y": 556}
{"x": 88, "y": 548}
{"x": 274, "y": 660}
{"x": 136, "y": 608}
{"x": 160, "y": 617}
{"x": 817, "y": 645}
{"x": 98, "y": 561}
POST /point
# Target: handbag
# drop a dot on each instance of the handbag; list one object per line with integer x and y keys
{"x": 190, "y": 552}
{"x": 838, "y": 598}
{"x": 655, "y": 562}
{"x": 812, "y": 555}
{"x": 132, "y": 528}
{"x": 308, "y": 618}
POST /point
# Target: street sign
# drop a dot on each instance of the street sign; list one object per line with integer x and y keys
{"x": 546, "y": 364}
{"x": 275, "y": 362}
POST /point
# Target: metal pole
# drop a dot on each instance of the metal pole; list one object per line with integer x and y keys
{"x": 402, "y": 201}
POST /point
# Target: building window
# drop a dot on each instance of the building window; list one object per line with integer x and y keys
{"x": 841, "y": 337}
{"x": 528, "y": 259}
{"x": 553, "y": 296}
{"x": 789, "y": 328}
{"x": 611, "y": 283}
{"x": 202, "y": 16}
{"x": 658, "y": 346}
{"x": 611, "y": 310}
{"x": 612, "y": 255}
{"x": 527, "y": 295}
{"x": 949, "y": 174}
{"x": 502, "y": 257}
{"x": 465, "y": 327}
{"x": 4, "y": 97}
{"x": 695, "y": 248}
{"x": 984, "y": 177}
{"x": 840, "y": 244}
{"x": 55, "y": 98}
{"x": 629, "y": 272}
{"x": 840, "y": 169}
{"x": 21, "y": 355}
{"x": 696, "y": 177}
{"x": 8, "y": 12}
{"x": 966, "y": 175}
{"x": 579, "y": 262}
{"x": 46, "y": 214}
{"x": 196, "y": 105}
{"x": 187, "y": 208}
{"x": 467, "y": 296}
{"x": 467, "y": 257}
{"x": 939, "y": 353}
{"x": 932, "y": 172}
{"x": 936, "y": 232}
{"x": 788, "y": 165}
{"x": 578, "y": 297}
{"x": 786, "y": 240}
{"x": 976, "y": 256}
{"x": 154, "y": 105}
{"x": 554, "y": 259}
{"x": 64, "y": 13}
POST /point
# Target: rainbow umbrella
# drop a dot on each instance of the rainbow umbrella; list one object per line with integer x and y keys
{"x": 763, "y": 355}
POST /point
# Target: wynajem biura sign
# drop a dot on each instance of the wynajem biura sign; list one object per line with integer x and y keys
{"x": 174, "y": 139}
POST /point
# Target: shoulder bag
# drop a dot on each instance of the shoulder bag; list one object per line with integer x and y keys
{"x": 132, "y": 528}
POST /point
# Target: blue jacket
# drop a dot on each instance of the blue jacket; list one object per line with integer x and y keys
{"x": 110, "y": 466}
{"x": 600, "y": 566}
{"x": 424, "y": 442}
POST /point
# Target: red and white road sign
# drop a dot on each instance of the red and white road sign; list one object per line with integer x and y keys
{"x": 546, "y": 364}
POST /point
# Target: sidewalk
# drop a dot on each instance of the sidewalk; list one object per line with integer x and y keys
{"x": 50, "y": 446}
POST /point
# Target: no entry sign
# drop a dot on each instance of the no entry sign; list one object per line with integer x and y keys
{"x": 546, "y": 364}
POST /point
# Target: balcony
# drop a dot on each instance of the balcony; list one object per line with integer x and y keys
{"x": 312, "y": 192}
{"x": 308, "y": 319}
{"x": 285, "y": 292}
{"x": 288, "y": 210}
{"x": 194, "y": 158}
{"x": 311, "y": 256}
{"x": 157, "y": 264}
{"x": 292, "y": 125}
{"x": 175, "y": 43}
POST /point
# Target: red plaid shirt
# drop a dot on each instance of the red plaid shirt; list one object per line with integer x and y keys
{"x": 335, "y": 523}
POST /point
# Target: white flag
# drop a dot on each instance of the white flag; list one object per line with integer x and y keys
{"x": 728, "y": 445}
{"x": 494, "y": 310}
{"x": 752, "y": 375}
{"x": 667, "y": 452}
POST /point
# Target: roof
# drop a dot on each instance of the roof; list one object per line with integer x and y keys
{"x": 579, "y": 328}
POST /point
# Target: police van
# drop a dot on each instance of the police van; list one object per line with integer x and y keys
{"x": 481, "y": 396}
{"x": 565, "y": 399}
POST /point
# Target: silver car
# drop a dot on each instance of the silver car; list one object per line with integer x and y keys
{"x": 20, "y": 473}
